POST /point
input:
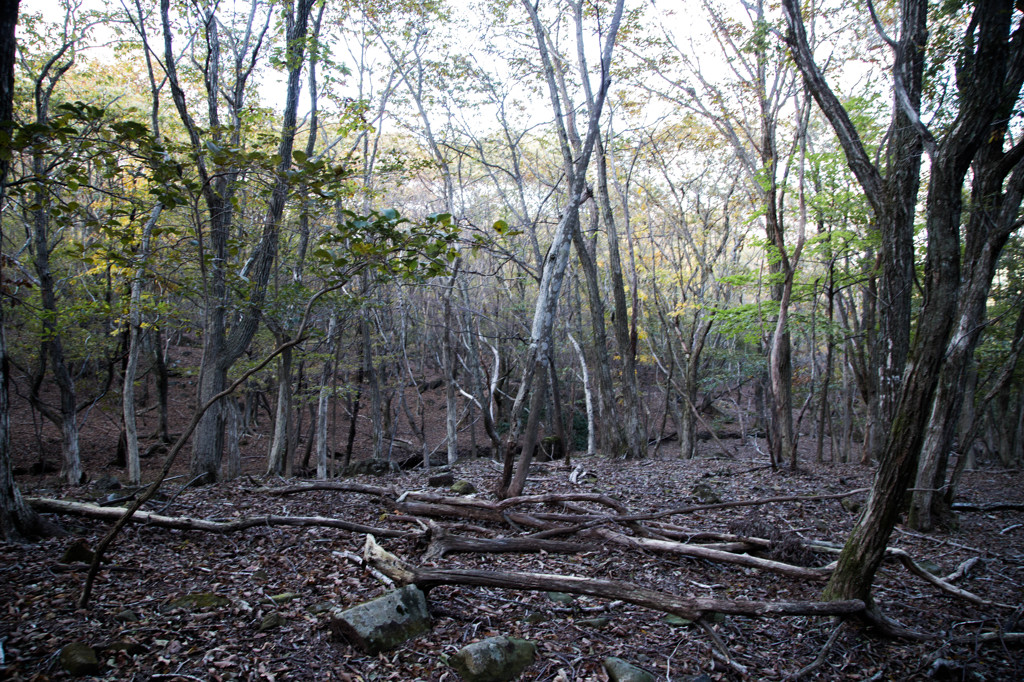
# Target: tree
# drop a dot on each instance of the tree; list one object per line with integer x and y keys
{"x": 216, "y": 151}
{"x": 752, "y": 124}
{"x": 990, "y": 51}
{"x": 557, "y": 257}
{"x": 17, "y": 519}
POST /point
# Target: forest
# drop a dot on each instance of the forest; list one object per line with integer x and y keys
{"x": 574, "y": 339}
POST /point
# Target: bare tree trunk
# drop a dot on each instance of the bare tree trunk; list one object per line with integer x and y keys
{"x": 994, "y": 210}
{"x": 324, "y": 399}
{"x": 376, "y": 398}
{"x": 555, "y": 261}
{"x": 17, "y": 519}
{"x": 277, "y": 459}
{"x": 587, "y": 397}
{"x": 221, "y": 350}
{"x": 612, "y": 438}
{"x": 131, "y": 368}
{"x": 232, "y": 465}
{"x": 636, "y": 436}
{"x": 451, "y": 372}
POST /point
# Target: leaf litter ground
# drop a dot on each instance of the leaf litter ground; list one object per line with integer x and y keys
{"x": 299, "y": 573}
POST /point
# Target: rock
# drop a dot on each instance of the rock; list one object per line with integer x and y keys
{"x": 385, "y": 622}
{"x": 703, "y": 493}
{"x": 126, "y": 616}
{"x": 849, "y": 504}
{"x": 270, "y": 621}
{"x": 496, "y": 659}
{"x": 320, "y": 607}
{"x": 200, "y": 600}
{"x": 620, "y": 671}
{"x": 679, "y": 621}
{"x": 463, "y": 488}
{"x": 560, "y": 597}
{"x": 536, "y": 617}
{"x": 77, "y": 552}
{"x": 703, "y": 677}
{"x": 441, "y": 480}
{"x": 106, "y": 483}
{"x": 79, "y": 659}
{"x": 930, "y": 566}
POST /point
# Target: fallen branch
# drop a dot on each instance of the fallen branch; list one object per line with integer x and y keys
{"x": 1004, "y": 638}
{"x": 485, "y": 511}
{"x": 821, "y": 658}
{"x": 938, "y": 582}
{"x": 739, "y": 503}
{"x": 442, "y": 542}
{"x": 991, "y": 507}
{"x": 94, "y": 511}
{"x": 700, "y": 552}
{"x": 690, "y": 608}
{"x": 338, "y": 486}
{"x": 963, "y": 569}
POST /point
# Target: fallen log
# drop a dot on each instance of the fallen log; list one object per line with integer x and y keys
{"x": 442, "y": 542}
{"x": 338, "y": 486}
{"x": 691, "y": 608}
{"x": 487, "y": 512}
{"x": 701, "y": 552}
{"x": 990, "y": 507}
{"x": 912, "y": 566}
{"x": 93, "y": 511}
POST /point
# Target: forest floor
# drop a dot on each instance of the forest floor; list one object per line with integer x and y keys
{"x": 151, "y": 567}
{"x": 141, "y": 635}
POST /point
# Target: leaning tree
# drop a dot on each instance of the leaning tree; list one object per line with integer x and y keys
{"x": 989, "y": 44}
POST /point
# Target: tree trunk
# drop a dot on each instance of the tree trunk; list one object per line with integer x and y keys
{"x": 994, "y": 209}
{"x": 987, "y": 66}
{"x": 17, "y": 520}
{"x": 324, "y": 399}
{"x": 277, "y": 459}
{"x": 53, "y": 346}
{"x": 555, "y": 261}
{"x": 636, "y": 436}
{"x": 450, "y": 367}
{"x": 221, "y": 350}
{"x": 612, "y": 439}
{"x": 135, "y": 340}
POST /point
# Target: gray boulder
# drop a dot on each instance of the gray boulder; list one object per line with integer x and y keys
{"x": 620, "y": 671}
{"x": 496, "y": 659}
{"x": 79, "y": 659}
{"x": 385, "y": 622}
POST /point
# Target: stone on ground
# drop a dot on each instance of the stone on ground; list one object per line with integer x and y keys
{"x": 496, "y": 659}
{"x": 385, "y": 622}
{"x": 620, "y": 671}
{"x": 463, "y": 487}
{"x": 79, "y": 659}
